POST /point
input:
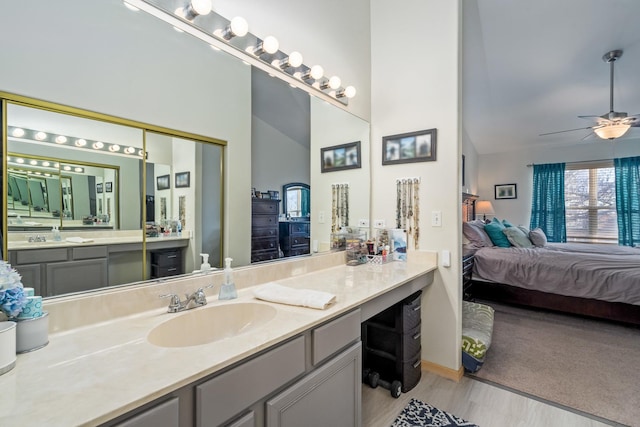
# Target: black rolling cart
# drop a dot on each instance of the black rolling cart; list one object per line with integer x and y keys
{"x": 391, "y": 347}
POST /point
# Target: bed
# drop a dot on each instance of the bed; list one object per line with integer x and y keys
{"x": 596, "y": 280}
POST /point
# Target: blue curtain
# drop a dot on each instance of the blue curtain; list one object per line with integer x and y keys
{"x": 305, "y": 207}
{"x": 547, "y": 207}
{"x": 628, "y": 200}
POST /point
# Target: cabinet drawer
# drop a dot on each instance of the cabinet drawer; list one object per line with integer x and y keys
{"x": 331, "y": 337}
{"x": 165, "y": 271}
{"x": 90, "y": 252}
{"x": 298, "y": 250}
{"x": 163, "y": 415}
{"x": 166, "y": 258}
{"x": 264, "y": 232}
{"x": 216, "y": 400}
{"x": 262, "y": 244}
{"x": 41, "y": 255}
{"x": 265, "y": 207}
{"x": 267, "y": 255}
{"x": 265, "y": 221}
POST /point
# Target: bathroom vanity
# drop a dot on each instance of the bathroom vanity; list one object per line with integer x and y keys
{"x": 284, "y": 370}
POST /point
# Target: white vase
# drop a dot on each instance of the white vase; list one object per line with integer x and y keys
{"x": 7, "y": 346}
{"x": 32, "y": 334}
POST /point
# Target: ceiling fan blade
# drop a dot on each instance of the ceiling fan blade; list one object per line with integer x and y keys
{"x": 568, "y": 130}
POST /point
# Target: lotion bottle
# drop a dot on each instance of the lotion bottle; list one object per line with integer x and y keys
{"x": 228, "y": 288}
{"x": 205, "y": 266}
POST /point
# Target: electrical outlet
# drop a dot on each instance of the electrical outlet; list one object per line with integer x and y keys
{"x": 321, "y": 217}
{"x": 436, "y": 218}
{"x": 378, "y": 223}
{"x": 363, "y": 223}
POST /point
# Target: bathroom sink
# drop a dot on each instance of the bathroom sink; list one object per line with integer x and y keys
{"x": 210, "y": 323}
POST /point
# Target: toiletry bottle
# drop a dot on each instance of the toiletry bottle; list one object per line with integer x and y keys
{"x": 205, "y": 266}
{"x": 56, "y": 234}
{"x": 228, "y": 288}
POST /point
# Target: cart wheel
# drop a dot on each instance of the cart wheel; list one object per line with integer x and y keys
{"x": 395, "y": 389}
{"x": 372, "y": 379}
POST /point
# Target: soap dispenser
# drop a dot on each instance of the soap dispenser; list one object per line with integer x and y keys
{"x": 56, "y": 234}
{"x": 228, "y": 288}
{"x": 205, "y": 266}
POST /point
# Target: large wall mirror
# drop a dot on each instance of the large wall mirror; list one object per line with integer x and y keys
{"x": 177, "y": 83}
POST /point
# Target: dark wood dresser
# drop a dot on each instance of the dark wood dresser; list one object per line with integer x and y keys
{"x": 294, "y": 238}
{"x": 167, "y": 262}
{"x": 264, "y": 229}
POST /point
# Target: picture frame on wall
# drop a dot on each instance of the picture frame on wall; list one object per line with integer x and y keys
{"x": 419, "y": 146}
{"x": 163, "y": 182}
{"x": 505, "y": 191}
{"x": 99, "y": 188}
{"x": 340, "y": 157}
{"x": 183, "y": 179}
{"x": 108, "y": 187}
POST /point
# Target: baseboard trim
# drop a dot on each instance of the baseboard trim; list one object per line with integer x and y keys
{"x": 443, "y": 371}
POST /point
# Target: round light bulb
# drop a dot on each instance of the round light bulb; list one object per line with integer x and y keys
{"x": 18, "y": 132}
{"x": 201, "y": 7}
{"x": 46, "y": 164}
{"x": 81, "y": 142}
{"x": 295, "y": 59}
{"x": 335, "y": 82}
{"x": 61, "y": 139}
{"x": 239, "y": 26}
{"x": 33, "y": 162}
{"x": 67, "y": 168}
{"x": 130, "y": 150}
{"x": 40, "y": 136}
{"x": 57, "y": 165}
{"x": 114, "y": 148}
{"x": 19, "y": 160}
{"x": 140, "y": 153}
{"x": 270, "y": 44}
{"x": 98, "y": 145}
{"x": 350, "y": 91}
{"x": 78, "y": 169}
{"x": 316, "y": 72}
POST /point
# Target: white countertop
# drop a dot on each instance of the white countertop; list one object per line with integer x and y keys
{"x": 95, "y": 241}
{"x": 88, "y": 375}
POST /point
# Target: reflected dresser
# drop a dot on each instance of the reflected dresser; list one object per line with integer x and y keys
{"x": 264, "y": 229}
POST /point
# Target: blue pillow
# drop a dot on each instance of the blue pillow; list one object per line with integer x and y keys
{"x": 494, "y": 230}
{"x": 506, "y": 223}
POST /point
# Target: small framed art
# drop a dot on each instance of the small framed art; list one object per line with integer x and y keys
{"x": 163, "y": 182}
{"x": 99, "y": 188}
{"x": 340, "y": 157}
{"x": 182, "y": 179}
{"x": 506, "y": 191}
{"x": 108, "y": 187}
{"x": 409, "y": 147}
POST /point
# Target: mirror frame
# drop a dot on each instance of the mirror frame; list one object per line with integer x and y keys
{"x": 7, "y": 98}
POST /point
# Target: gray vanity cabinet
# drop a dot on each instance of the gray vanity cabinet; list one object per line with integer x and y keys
{"x": 326, "y": 397}
{"x": 165, "y": 414}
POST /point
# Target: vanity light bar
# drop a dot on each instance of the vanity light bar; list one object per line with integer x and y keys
{"x": 66, "y": 140}
{"x": 22, "y": 163}
{"x": 245, "y": 45}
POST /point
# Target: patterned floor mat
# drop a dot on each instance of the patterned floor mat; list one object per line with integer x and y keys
{"x": 418, "y": 413}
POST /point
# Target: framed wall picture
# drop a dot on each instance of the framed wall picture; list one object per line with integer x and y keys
{"x": 340, "y": 157}
{"x": 506, "y": 191}
{"x": 409, "y": 147}
{"x": 163, "y": 182}
{"x": 99, "y": 188}
{"x": 182, "y": 179}
{"x": 108, "y": 187}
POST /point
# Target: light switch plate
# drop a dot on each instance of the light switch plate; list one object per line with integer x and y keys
{"x": 436, "y": 218}
{"x": 379, "y": 223}
{"x": 321, "y": 217}
{"x": 363, "y": 223}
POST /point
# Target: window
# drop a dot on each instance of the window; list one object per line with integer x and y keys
{"x": 590, "y": 202}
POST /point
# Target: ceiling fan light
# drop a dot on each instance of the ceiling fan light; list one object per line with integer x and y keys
{"x": 612, "y": 131}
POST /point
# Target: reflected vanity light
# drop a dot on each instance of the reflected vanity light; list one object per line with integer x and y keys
{"x": 61, "y": 139}
{"x": 46, "y": 164}
{"x": 130, "y": 150}
{"x": 67, "y": 168}
{"x": 20, "y": 160}
{"x": 33, "y": 162}
{"x": 81, "y": 142}
{"x": 40, "y": 136}
{"x": 113, "y": 148}
{"x": 18, "y": 132}
{"x": 97, "y": 145}
{"x": 238, "y": 27}
{"x": 78, "y": 169}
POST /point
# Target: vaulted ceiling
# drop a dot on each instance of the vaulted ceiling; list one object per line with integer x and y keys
{"x": 531, "y": 67}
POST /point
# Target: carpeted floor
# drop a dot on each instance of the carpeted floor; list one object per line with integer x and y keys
{"x": 584, "y": 364}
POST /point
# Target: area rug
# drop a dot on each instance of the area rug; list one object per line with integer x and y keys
{"x": 418, "y": 413}
{"x": 585, "y": 365}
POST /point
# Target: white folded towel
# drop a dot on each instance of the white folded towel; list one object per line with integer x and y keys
{"x": 304, "y": 297}
{"x": 78, "y": 240}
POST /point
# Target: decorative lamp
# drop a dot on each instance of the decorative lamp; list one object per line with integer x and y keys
{"x": 484, "y": 208}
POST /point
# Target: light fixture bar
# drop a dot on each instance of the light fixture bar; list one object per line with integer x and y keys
{"x": 213, "y": 29}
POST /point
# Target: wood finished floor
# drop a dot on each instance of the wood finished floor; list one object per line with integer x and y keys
{"x": 475, "y": 401}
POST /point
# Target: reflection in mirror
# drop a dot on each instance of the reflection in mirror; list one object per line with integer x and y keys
{"x": 296, "y": 200}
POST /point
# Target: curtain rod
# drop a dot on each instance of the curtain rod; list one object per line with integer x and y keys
{"x": 571, "y": 163}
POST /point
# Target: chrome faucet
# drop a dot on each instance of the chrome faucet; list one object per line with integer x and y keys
{"x": 196, "y": 299}
{"x": 38, "y": 238}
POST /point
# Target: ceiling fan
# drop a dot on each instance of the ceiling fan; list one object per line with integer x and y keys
{"x": 613, "y": 124}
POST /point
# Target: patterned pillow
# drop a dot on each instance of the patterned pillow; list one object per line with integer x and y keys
{"x": 517, "y": 237}
{"x": 494, "y": 230}
{"x": 474, "y": 232}
{"x": 538, "y": 238}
